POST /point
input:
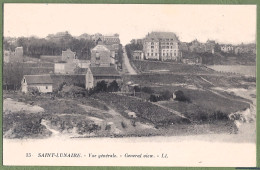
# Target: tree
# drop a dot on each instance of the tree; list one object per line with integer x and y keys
{"x": 113, "y": 86}
{"x": 101, "y": 86}
{"x": 153, "y": 98}
{"x": 181, "y": 97}
{"x": 166, "y": 95}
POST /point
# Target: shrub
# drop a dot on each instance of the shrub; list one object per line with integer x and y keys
{"x": 137, "y": 89}
{"x": 153, "y": 98}
{"x": 113, "y": 86}
{"x": 123, "y": 125}
{"x": 108, "y": 127}
{"x": 181, "y": 97}
{"x": 147, "y": 90}
{"x": 100, "y": 87}
{"x": 33, "y": 90}
{"x": 166, "y": 95}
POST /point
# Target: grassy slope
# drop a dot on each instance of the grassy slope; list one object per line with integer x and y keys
{"x": 146, "y": 111}
{"x": 204, "y": 101}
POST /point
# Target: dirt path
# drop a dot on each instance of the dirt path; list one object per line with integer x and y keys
{"x": 127, "y": 64}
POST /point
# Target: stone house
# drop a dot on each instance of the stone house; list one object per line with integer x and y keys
{"x": 41, "y": 82}
{"x": 101, "y": 56}
{"x": 68, "y": 55}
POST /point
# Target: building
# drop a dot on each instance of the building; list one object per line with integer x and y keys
{"x": 7, "y": 55}
{"x": 64, "y": 67}
{"x": 197, "y": 47}
{"x": 161, "y": 46}
{"x": 19, "y": 52}
{"x": 210, "y": 46}
{"x": 101, "y": 56}
{"x": 82, "y": 63}
{"x": 12, "y": 57}
{"x": 68, "y": 55}
{"x": 136, "y": 41}
{"x": 138, "y": 55}
{"x": 41, "y": 82}
{"x": 97, "y": 74}
{"x": 227, "y": 48}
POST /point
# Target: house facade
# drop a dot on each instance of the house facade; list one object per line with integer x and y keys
{"x": 19, "y": 51}
{"x": 227, "y": 48}
{"x": 101, "y": 56}
{"x": 68, "y": 55}
{"x": 138, "y": 55}
{"x": 97, "y": 74}
{"x": 161, "y": 46}
{"x": 41, "y": 82}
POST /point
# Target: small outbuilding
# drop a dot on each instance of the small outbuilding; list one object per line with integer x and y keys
{"x": 43, "y": 83}
{"x": 96, "y": 74}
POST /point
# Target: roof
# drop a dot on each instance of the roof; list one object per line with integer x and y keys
{"x": 100, "y": 47}
{"x": 161, "y": 35}
{"x": 38, "y": 79}
{"x": 104, "y": 71}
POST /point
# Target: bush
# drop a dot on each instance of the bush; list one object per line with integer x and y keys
{"x": 108, "y": 127}
{"x": 153, "y": 98}
{"x": 137, "y": 89}
{"x": 113, "y": 86}
{"x": 166, "y": 95}
{"x": 181, "y": 97}
{"x": 101, "y": 87}
{"x": 147, "y": 90}
{"x": 34, "y": 90}
{"x": 123, "y": 125}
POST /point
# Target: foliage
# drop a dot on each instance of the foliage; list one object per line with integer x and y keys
{"x": 181, "y": 97}
{"x": 147, "y": 90}
{"x": 101, "y": 86}
{"x": 54, "y": 44}
{"x": 164, "y": 95}
{"x": 113, "y": 87}
{"x": 123, "y": 125}
{"x": 130, "y": 48}
{"x": 33, "y": 90}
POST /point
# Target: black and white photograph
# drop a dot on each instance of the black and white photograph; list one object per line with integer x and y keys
{"x": 129, "y": 85}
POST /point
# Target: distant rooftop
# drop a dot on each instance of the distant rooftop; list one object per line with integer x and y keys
{"x": 162, "y": 35}
{"x": 38, "y": 79}
{"x": 104, "y": 71}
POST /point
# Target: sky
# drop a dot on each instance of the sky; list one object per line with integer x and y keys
{"x": 224, "y": 23}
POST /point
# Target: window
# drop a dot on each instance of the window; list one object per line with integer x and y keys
{"x": 46, "y": 87}
{"x": 152, "y": 43}
{"x": 155, "y": 54}
{"x": 97, "y": 56}
{"x": 152, "y": 46}
{"x": 152, "y": 54}
{"x": 147, "y": 54}
{"x": 24, "y": 80}
{"x": 167, "y": 47}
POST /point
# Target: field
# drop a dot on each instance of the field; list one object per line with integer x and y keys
{"x": 243, "y": 70}
{"x": 158, "y": 66}
{"x": 100, "y": 115}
